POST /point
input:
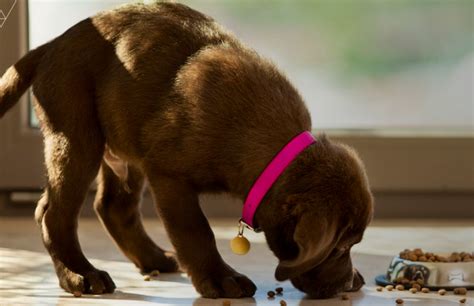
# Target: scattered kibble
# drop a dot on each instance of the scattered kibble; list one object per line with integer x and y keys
{"x": 379, "y": 288}
{"x": 389, "y": 287}
{"x": 279, "y": 290}
{"x": 155, "y": 273}
{"x": 77, "y": 293}
{"x": 226, "y": 303}
{"x": 271, "y": 294}
{"x": 282, "y": 303}
{"x": 413, "y": 290}
{"x": 399, "y": 301}
{"x": 460, "y": 291}
{"x": 425, "y": 290}
{"x": 345, "y": 297}
{"x": 147, "y": 278}
{"x": 400, "y": 287}
{"x": 462, "y": 301}
{"x": 416, "y": 286}
{"x": 441, "y": 291}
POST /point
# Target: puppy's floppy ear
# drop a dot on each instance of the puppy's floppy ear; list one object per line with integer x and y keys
{"x": 315, "y": 236}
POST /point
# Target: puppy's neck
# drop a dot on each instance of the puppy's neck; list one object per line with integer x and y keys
{"x": 254, "y": 158}
{"x": 269, "y": 175}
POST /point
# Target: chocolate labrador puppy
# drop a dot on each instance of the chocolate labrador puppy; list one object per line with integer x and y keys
{"x": 162, "y": 93}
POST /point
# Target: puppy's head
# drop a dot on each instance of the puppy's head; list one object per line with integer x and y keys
{"x": 317, "y": 211}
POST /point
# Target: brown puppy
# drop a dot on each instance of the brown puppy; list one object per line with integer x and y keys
{"x": 183, "y": 104}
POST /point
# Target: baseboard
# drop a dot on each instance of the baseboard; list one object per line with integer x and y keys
{"x": 424, "y": 205}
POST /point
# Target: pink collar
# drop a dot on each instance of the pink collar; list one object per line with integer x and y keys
{"x": 271, "y": 173}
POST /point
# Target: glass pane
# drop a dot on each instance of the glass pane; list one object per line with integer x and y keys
{"x": 359, "y": 64}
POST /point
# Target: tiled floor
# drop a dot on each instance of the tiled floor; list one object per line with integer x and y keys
{"x": 27, "y": 276}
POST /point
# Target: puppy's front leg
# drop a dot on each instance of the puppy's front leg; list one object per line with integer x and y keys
{"x": 194, "y": 241}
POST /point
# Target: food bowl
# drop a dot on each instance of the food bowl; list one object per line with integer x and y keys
{"x": 433, "y": 275}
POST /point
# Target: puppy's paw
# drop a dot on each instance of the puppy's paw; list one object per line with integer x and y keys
{"x": 95, "y": 282}
{"x": 164, "y": 262}
{"x": 225, "y": 285}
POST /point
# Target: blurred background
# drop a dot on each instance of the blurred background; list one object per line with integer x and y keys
{"x": 359, "y": 64}
{"x": 392, "y": 78}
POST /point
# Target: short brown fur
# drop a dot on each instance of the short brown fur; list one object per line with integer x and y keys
{"x": 192, "y": 110}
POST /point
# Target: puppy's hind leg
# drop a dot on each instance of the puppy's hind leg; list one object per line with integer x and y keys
{"x": 119, "y": 211}
{"x": 72, "y": 162}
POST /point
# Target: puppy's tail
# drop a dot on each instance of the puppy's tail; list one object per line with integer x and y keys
{"x": 19, "y": 77}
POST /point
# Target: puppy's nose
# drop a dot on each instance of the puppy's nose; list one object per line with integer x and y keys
{"x": 357, "y": 281}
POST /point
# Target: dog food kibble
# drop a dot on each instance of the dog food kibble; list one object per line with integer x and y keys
{"x": 462, "y": 301}
{"x": 399, "y": 301}
{"x": 389, "y": 287}
{"x": 77, "y": 293}
{"x": 418, "y": 252}
{"x": 344, "y": 297}
{"x": 405, "y": 281}
{"x": 282, "y": 303}
{"x": 271, "y": 294}
{"x": 420, "y": 255}
{"x": 441, "y": 259}
{"x": 454, "y": 258}
{"x": 226, "y": 303}
{"x": 460, "y": 291}
{"x": 379, "y": 288}
{"x": 422, "y": 258}
{"x": 147, "y": 278}
{"x": 155, "y": 273}
{"x": 279, "y": 290}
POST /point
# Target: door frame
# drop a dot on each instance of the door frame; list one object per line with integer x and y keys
{"x": 21, "y": 158}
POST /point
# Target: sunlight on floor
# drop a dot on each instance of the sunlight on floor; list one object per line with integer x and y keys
{"x": 27, "y": 276}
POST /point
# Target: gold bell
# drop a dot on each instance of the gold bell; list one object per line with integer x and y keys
{"x": 240, "y": 245}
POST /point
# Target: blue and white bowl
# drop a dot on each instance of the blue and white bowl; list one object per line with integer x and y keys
{"x": 435, "y": 275}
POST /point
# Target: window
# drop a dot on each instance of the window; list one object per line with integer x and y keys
{"x": 392, "y": 78}
{"x": 368, "y": 64}
{"x": 358, "y": 64}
